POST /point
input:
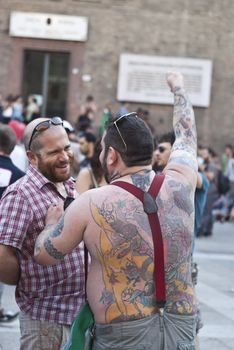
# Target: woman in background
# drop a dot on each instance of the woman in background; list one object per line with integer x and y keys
{"x": 92, "y": 176}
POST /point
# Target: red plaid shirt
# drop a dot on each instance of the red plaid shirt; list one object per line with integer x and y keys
{"x": 54, "y": 293}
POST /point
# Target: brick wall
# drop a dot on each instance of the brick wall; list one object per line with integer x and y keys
{"x": 182, "y": 28}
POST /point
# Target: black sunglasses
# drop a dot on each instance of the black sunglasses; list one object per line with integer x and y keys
{"x": 46, "y": 124}
{"x": 161, "y": 149}
{"x": 133, "y": 114}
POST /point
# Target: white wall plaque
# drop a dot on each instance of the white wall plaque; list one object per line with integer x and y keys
{"x": 142, "y": 79}
{"x": 48, "y": 26}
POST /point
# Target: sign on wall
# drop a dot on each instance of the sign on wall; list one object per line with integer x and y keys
{"x": 142, "y": 79}
{"x": 48, "y": 26}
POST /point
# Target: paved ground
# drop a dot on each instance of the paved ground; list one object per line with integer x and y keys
{"x": 215, "y": 290}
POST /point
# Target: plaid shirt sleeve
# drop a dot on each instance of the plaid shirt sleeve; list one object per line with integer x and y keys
{"x": 15, "y": 218}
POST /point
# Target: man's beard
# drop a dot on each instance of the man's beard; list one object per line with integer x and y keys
{"x": 105, "y": 171}
{"x": 109, "y": 177}
{"x": 49, "y": 171}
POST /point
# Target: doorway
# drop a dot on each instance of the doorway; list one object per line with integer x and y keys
{"x": 45, "y": 75}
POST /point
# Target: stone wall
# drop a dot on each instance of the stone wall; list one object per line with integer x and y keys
{"x": 182, "y": 28}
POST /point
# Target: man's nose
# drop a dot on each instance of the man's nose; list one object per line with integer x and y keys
{"x": 64, "y": 156}
{"x": 157, "y": 152}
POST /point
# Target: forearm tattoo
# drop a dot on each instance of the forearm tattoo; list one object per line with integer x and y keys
{"x": 46, "y": 240}
{"x": 52, "y": 251}
{"x": 48, "y": 244}
{"x": 184, "y": 125}
{"x": 58, "y": 228}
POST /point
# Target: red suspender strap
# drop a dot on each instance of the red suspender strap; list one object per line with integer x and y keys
{"x": 150, "y": 207}
{"x": 158, "y": 246}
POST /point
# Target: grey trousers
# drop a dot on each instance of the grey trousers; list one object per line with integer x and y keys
{"x": 158, "y": 332}
{"x": 41, "y": 335}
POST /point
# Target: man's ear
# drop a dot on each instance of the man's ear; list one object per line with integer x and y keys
{"x": 32, "y": 157}
{"x": 112, "y": 156}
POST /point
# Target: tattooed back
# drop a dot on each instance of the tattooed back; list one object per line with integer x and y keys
{"x": 118, "y": 236}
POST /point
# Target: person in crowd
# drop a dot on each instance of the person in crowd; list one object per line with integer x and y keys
{"x": 74, "y": 142}
{"x": 123, "y": 109}
{"x": 222, "y": 207}
{"x": 230, "y": 170}
{"x": 9, "y": 173}
{"x": 91, "y": 176}
{"x": 106, "y": 116}
{"x": 18, "y": 108}
{"x": 226, "y": 155}
{"x": 18, "y": 155}
{"x": 48, "y": 297}
{"x": 18, "y": 128}
{"x": 89, "y": 108}
{"x": 116, "y": 230}
{"x": 32, "y": 109}
{"x": 145, "y": 115}
{"x": 163, "y": 150}
{"x": 210, "y": 169}
{"x": 7, "y": 112}
{"x": 87, "y": 142}
{"x": 83, "y": 124}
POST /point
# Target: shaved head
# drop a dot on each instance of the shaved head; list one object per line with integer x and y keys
{"x": 29, "y": 130}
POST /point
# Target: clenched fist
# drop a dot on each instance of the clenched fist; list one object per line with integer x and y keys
{"x": 54, "y": 213}
{"x": 175, "y": 80}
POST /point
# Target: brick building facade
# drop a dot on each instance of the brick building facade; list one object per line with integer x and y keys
{"x": 185, "y": 28}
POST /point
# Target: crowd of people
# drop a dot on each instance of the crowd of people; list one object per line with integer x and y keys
{"x": 14, "y": 108}
{"x": 79, "y": 168}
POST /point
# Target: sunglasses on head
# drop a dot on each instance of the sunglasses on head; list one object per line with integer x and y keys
{"x": 161, "y": 149}
{"x": 133, "y": 114}
{"x": 46, "y": 124}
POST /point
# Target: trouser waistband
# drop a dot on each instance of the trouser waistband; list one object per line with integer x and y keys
{"x": 100, "y": 329}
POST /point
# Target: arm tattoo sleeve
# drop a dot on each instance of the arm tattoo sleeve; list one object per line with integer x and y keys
{"x": 184, "y": 127}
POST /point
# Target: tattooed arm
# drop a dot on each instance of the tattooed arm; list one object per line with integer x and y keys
{"x": 62, "y": 233}
{"x": 184, "y": 150}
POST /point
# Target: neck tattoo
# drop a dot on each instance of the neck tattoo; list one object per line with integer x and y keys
{"x": 116, "y": 175}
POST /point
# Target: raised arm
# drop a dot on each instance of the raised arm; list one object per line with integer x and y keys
{"x": 62, "y": 233}
{"x": 184, "y": 150}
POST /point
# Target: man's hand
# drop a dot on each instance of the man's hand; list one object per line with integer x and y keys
{"x": 54, "y": 213}
{"x": 175, "y": 80}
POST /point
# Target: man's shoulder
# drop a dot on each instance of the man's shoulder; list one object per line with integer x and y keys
{"x": 97, "y": 195}
{"x": 19, "y": 187}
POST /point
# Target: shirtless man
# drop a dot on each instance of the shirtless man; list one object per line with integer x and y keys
{"x": 116, "y": 231}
